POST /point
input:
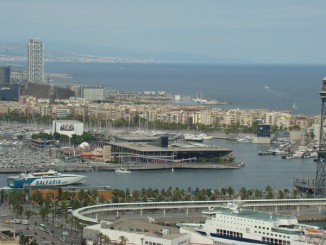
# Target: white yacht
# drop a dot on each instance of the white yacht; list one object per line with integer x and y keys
{"x": 122, "y": 171}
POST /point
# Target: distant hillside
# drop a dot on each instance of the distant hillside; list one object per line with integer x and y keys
{"x": 55, "y": 52}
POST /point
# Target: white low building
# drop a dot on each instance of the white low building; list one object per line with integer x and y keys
{"x": 135, "y": 232}
{"x": 93, "y": 92}
{"x": 68, "y": 127}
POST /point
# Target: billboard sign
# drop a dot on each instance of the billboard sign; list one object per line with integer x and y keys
{"x": 67, "y": 127}
{"x": 264, "y": 130}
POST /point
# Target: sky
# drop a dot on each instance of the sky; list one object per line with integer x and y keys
{"x": 213, "y": 31}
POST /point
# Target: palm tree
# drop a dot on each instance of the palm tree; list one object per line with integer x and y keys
{"x": 223, "y": 192}
{"x": 123, "y": 240}
{"x": 36, "y": 197}
{"x": 286, "y": 192}
{"x": 280, "y": 194}
{"x": 243, "y": 193}
{"x": 107, "y": 240}
{"x": 43, "y": 213}
{"x": 84, "y": 241}
{"x": 3, "y": 193}
{"x": 23, "y": 239}
{"x": 28, "y": 214}
{"x": 230, "y": 191}
{"x": 33, "y": 243}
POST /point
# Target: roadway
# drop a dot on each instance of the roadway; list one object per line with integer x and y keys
{"x": 308, "y": 208}
{"x": 56, "y": 231}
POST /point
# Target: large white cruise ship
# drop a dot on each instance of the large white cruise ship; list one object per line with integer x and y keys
{"x": 49, "y": 178}
{"x": 233, "y": 225}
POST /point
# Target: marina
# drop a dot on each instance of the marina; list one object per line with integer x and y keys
{"x": 258, "y": 172}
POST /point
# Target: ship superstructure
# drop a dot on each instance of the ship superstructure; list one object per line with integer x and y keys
{"x": 234, "y": 225}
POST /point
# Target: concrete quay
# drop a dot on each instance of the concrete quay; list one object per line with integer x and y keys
{"x": 112, "y": 167}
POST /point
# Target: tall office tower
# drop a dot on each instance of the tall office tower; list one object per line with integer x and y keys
{"x": 4, "y": 74}
{"x": 35, "y": 61}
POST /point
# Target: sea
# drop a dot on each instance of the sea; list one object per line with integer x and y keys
{"x": 274, "y": 87}
{"x": 293, "y": 88}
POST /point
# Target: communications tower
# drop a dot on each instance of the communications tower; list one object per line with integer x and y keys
{"x": 320, "y": 181}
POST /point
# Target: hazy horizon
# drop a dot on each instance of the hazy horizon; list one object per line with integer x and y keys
{"x": 209, "y": 31}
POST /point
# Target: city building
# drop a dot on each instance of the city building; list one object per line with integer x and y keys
{"x": 136, "y": 232}
{"x": 4, "y": 74}
{"x": 63, "y": 112}
{"x": 46, "y": 91}
{"x": 263, "y": 134}
{"x": 9, "y": 92}
{"x": 35, "y": 61}
{"x": 93, "y": 92}
{"x": 76, "y": 89}
{"x": 158, "y": 150}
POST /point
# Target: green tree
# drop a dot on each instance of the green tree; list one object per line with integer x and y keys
{"x": 37, "y": 197}
{"x": 56, "y": 135}
{"x": 43, "y": 136}
{"x": 23, "y": 240}
{"x": 230, "y": 191}
{"x": 123, "y": 240}
{"x": 280, "y": 194}
{"x": 43, "y": 212}
{"x": 28, "y": 214}
{"x": 33, "y": 243}
{"x": 243, "y": 193}
{"x": 223, "y": 192}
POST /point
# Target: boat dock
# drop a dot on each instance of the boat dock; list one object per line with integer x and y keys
{"x": 144, "y": 167}
{"x": 135, "y": 167}
{"x": 265, "y": 153}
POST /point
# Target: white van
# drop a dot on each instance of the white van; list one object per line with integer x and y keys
{"x": 42, "y": 227}
{"x": 25, "y": 222}
{"x": 15, "y": 221}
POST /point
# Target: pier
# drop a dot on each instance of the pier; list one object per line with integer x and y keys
{"x": 112, "y": 167}
{"x": 265, "y": 153}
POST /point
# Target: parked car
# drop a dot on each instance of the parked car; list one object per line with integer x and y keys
{"x": 25, "y": 222}
{"x": 16, "y": 221}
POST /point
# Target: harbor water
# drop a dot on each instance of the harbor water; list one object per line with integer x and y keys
{"x": 259, "y": 172}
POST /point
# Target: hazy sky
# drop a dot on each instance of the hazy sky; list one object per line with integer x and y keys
{"x": 253, "y": 31}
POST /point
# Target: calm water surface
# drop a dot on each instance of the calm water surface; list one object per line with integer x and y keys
{"x": 259, "y": 172}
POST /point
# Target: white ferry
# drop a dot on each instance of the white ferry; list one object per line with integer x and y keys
{"x": 234, "y": 225}
{"x": 49, "y": 178}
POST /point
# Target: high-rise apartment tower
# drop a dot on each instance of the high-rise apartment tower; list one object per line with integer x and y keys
{"x": 35, "y": 60}
{"x": 4, "y": 74}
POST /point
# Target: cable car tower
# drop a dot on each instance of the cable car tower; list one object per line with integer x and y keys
{"x": 320, "y": 181}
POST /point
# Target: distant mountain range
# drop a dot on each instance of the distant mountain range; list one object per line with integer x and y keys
{"x": 55, "y": 52}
